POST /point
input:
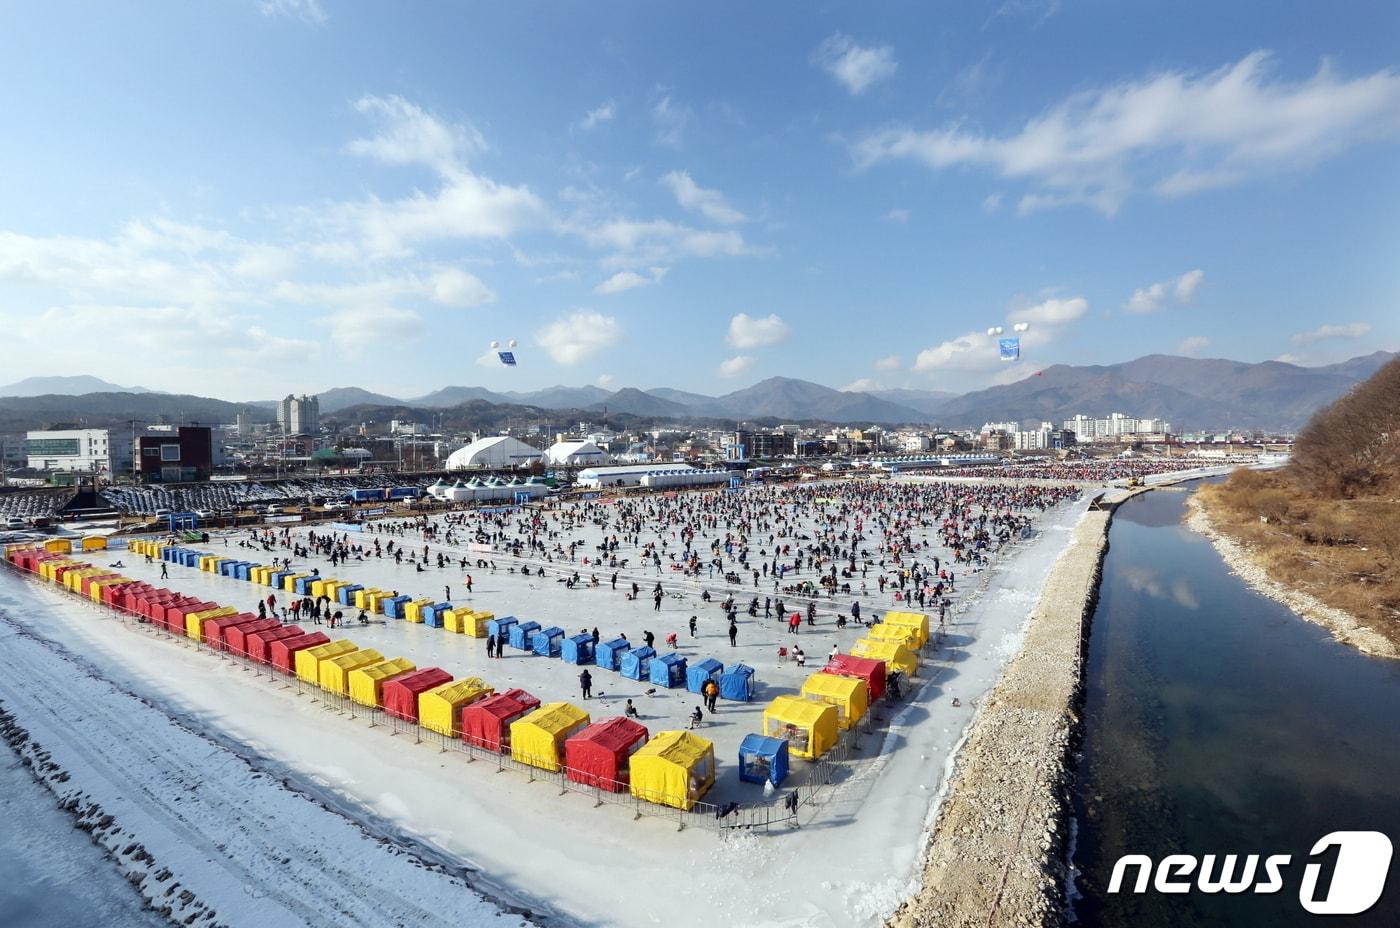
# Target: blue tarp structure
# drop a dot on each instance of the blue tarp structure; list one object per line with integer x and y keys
{"x": 302, "y": 587}
{"x": 244, "y": 570}
{"x": 762, "y": 758}
{"x": 609, "y": 653}
{"x": 494, "y": 627}
{"x": 546, "y": 641}
{"x": 708, "y": 669}
{"x": 577, "y": 650}
{"x": 432, "y": 615}
{"x": 346, "y": 594}
{"x": 737, "y": 683}
{"x": 520, "y": 634}
{"x": 636, "y": 663}
{"x": 668, "y": 670}
{"x": 393, "y": 606}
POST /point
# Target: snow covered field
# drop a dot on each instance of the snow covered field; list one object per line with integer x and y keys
{"x": 853, "y": 860}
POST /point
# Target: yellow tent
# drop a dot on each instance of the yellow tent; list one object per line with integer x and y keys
{"x": 440, "y": 708}
{"x": 366, "y": 683}
{"x": 895, "y": 655}
{"x": 915, "y": 620}
{"x": 289, "y": 582}
{"x": 849, "y": 695}
{"x": 538, "y": 738}
{"x": 74, "y": 578}
{"x": 674, "y": 768}
{"x": 362, "y": 598}
{"x": 335, "y": 671}
{"x": 58, "y": 546}
{"x": 376, "y": 600}
{"x": 94, "y": 543}
{"x": 466, "y": 622}
{"x": 206, "y": 562}
{"x": 902, "y": 634}
{"x": 808, "y": 726}
{"x": 260, "y": 575}
{"x": 413, "y": 612}
{"x": 194, "y": 621}
{"x": 309, "y": 659}
{"x": 47, "y": 569}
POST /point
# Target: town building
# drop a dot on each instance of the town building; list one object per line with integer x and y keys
{"x": 77, "y": 450}
{"x": 299, "y": 415}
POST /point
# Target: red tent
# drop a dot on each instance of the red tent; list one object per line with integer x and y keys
{"x": 112, "y": 591}
{"x": 259, "y": 644}
{"x": 86, "y": 586}
{"x": 400, "y": 695}
{"x": 234, "y": 637}
{"x": 486, "y": 722}
{"x": 216, "y": 630}
{"x": 284, "y": 650}
{"x": 597, "y": 756}
{"x": 173, "y": 615}
{"x": 865, "y": 668}
{"x": 156, "y": 598}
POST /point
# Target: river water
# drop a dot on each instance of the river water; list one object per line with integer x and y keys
{"x": 1217, "y": 721}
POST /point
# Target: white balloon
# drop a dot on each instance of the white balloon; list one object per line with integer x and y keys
{"x": 495, "y": 345}
{"x": 512, "y": 343}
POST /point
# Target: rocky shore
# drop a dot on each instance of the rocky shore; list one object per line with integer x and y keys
{"x": 1343, "y": 626}
{"x": 996, "y": 856}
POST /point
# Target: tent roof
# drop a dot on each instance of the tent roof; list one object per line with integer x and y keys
{"x": 830, "y": 684}
{"x": 466, "y": 688}
{"x": 755, "y": 743}
{"x": 678, "y": 747}
{"x": 555, "y": 717}
{"x": 799, "y": 711}
{"x": 615, "y": 734}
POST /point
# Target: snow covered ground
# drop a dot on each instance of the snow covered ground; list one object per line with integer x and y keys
{"x": 852, "y": 861}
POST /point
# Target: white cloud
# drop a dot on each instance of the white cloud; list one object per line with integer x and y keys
{"x": 627, "y": 280}
{"x": 991, "y": 202}
{"x": 1187, "y": 284}
{"x": 1193, "y": 344}
{"x": 308, "y": 11}
{"x": 888, "y": 363}
{"x": 1151, "y": 298}
{"x": 455, "y": 287}
{"x": 746, "y": 331}
{"x": 735, "y": 366}
{"x": 660, "y": 242}
{"x": 596, "y": 117}
{"x": 707, "y": 202}
{"x": 580, "y": 335}
{"x": 897, "y": 215}
{"x": 357, "y": 332}
{"x": 1323, "y": 332}
{"x": 857, "y": 68}
{"x": 1175, "y": 132}
{"x": 863, "y": 385}
{"x": 604, "y": 380}
{"x": 969, "y": 351}
{"x": 1051, "y": 312}
{"x": 669, "y": 120}
{"x": 409, "y": 135}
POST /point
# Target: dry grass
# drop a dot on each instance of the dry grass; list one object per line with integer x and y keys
{"x": 1344, "y": 552}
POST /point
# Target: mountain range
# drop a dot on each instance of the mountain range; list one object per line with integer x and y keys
{"x": 1191, "y": 393}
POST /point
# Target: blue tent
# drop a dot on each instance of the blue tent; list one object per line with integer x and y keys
{"x": 668, "y": 670}
{"x": 763, "y": 759}
{"x": 302, "y": 587}
{"x": 190, "y": 558}
{"x": 577, "y": 650}
{"x": 609, "y": 653}
{"x": 520, "y": 634}
{"x": 168, "y": 554}
{"x": 432, "y": 615}
{"x": 494, "y": 627}
{"x": 708, "y": 669}
{"x": 275, "y": 578}
{"x": 346, "y": 594}
{"x": 636, "y": 663}
{"x": 737, "y": 683}
{"x": 393, "y": 606}
{"x": 244, "y": 570}
{"x": 226, "y": 568}
{"x": 546, "y": 641}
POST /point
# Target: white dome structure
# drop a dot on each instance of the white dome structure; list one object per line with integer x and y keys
{"x": 576, "y": 454}
{"x": 496, "y": 451}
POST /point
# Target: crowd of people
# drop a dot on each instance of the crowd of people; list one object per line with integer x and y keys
{"x": 1103, "y": 470}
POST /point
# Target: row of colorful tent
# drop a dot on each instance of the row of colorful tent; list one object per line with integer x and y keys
{"x": 672, "y": 768}
{"x": 666, "y": 670}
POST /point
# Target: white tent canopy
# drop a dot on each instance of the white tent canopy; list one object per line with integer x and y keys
{"x": 576, "y": 454}
{"x": 496, "y": 451}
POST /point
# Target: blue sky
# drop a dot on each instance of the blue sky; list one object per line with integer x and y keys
{"x": 241, "y": 198}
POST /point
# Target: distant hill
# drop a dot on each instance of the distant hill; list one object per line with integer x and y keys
{"x": 342, "y": 397}
{"x": 74, "y": 385}
{"x": 559, "y": 397}
{"x": 681, "y": 396}
{"x": 788, "y": 398}
{"x": 928, "y": 402}
{"x": 452, "y": 396}
{"x": 1190, "y": 393}
{"x": 113, "y": 410}
{"x": 636, "y": 402}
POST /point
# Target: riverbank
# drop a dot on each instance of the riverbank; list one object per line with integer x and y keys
{"x": 996, "y": 853}
{"x": 1342, "y": 625}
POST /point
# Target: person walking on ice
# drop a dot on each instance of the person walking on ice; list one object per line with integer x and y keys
{"x": 585, "y": 682}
